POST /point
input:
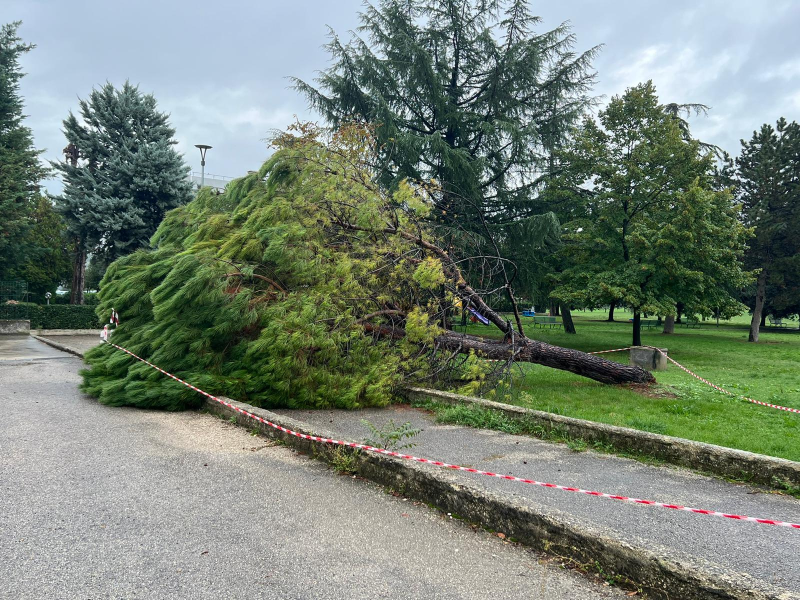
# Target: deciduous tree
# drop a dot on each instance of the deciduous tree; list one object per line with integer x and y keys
{"x": 651, "y": 232}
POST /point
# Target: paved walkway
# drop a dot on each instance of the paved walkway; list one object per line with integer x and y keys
{"x": 767, "y": 553}
{"x": 99, "y": 502}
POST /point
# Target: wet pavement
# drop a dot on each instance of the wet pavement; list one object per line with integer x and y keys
{"x": 26, "y": 347}
{"x": 767, "y": 553}
{"x": 100, "y": 502}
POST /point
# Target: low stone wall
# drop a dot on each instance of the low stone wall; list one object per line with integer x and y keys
{"x": 14, "y": 326}
{"x": 718, "y": 460}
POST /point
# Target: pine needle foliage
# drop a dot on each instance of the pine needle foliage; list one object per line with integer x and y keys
{"x": 265, "y": 292}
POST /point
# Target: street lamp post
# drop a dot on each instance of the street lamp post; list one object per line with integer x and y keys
{"x": 203, "y": 149}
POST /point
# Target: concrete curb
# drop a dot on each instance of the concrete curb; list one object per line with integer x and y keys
{"x": 657, "y": 569}
{"x": 654, "y": 568}
{"x": 718, "y": 460}
{"x": 58, "y": 346}
{"x": 35, "y": 332}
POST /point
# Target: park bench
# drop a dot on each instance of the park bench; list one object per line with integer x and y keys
{"x": 647, "y": 323}
{"x": 692, "y": 323}
{"x": 776, "y": 322}
{"x": 546, "y": 321}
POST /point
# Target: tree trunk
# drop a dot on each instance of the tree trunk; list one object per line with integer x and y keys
{"x": 637, "y": 327}
{"x": 756, "y": 322}
{"x": 669, "y": 324}
{"x": 566, "y": 318}
{"x": 565, "y": 359}
{"x": 679, "y": 308}
{"x": 611, "y": 311}
{"x": 527, "y": 350}
{"x": 78, "y": 275}
{"x": 763, "y": 318}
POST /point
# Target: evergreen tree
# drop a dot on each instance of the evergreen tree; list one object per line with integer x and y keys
{"x": 121, "y": 175}
{"x": 305, "y": 284}
{"x": 650, "y": 232}
{"x": 769, "y": 184}
{"x": 463, "y": 92}
{"x": 47, "y": 261}
{"x": 20, "y": 169}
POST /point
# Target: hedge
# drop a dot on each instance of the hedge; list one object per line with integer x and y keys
{"x": 55, "y": 316}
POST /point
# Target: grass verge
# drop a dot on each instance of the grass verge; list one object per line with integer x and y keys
{"x": 678, "y": 405}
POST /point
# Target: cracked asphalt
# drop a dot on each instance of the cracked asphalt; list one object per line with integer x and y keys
{"x": 99, "y": 502}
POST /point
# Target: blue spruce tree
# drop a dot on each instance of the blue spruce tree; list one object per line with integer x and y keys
{"x": 121, "y": 174}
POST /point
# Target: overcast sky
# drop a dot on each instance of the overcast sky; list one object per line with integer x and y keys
{"x": 220, "y": 68}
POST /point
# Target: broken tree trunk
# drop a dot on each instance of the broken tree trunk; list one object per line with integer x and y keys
{"x": 514, "y": 344}
{"x": 527, "y": 350}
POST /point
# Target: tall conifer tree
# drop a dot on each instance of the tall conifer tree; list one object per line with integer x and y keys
{"x": 121, "y": 175}
{"x": 769, "y": 183}
{"x": 20, "y": 169}
{"x": 469, "y": 94}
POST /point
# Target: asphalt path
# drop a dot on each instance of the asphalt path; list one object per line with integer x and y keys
{"x": 766, "y": 553}
{"x": 99, "y": 502}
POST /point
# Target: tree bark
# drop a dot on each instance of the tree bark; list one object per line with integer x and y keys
{"x": 566, "y": 318}
{"x": 756, "y": 321}
{"x": 528, "y": 350}
{"x": 565, "y": 359}
{"x": 669, "y": 324}
{"x": 78, "y": 275}
{"x": 611, "y": 311}
{"x": 637, "y": 327}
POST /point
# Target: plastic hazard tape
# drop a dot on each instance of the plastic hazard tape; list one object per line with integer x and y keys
{"x": 724, "y": 391}
{"x": 445, "y": 465}
{"x": 706, "y": 381}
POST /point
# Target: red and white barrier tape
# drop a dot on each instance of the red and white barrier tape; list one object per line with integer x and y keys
{"x": 724, "y": 391}
{"x": 445, "y": 465}
{"x": 607, "y": 351}
{"x": 716, "y": 387}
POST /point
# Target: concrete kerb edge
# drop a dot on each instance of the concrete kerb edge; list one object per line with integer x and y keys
{"x": 46, "y": 332}
{"x": 717, "y": 460}
{"x": 553, "y": 533}
{"x": 549, "y": 531}
{"x": 59, "y": 346}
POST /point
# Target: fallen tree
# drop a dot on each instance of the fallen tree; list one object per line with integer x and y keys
{"x": 304, "y": 285}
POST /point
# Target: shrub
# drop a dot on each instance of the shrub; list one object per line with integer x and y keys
{"x": 55, "y": 316}
{"x": 64, "y": 316}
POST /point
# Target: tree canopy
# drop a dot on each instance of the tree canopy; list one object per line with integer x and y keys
{"x": 305, "y": 284}
{"x": 121, "y": 174}
{"x": 20, "y": 169}
{"x": 768, "y": 172}
{"x": 650, "y": 231}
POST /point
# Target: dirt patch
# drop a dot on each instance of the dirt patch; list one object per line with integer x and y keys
{"x": 651, "y": 391}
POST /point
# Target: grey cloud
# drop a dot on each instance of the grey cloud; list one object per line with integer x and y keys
{"x": 220, "y": 70}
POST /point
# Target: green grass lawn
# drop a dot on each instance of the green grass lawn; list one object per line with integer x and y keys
{"x": 684, "y": 407}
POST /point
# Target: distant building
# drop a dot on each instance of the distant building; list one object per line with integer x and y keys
{"x": 215, "y": 181}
